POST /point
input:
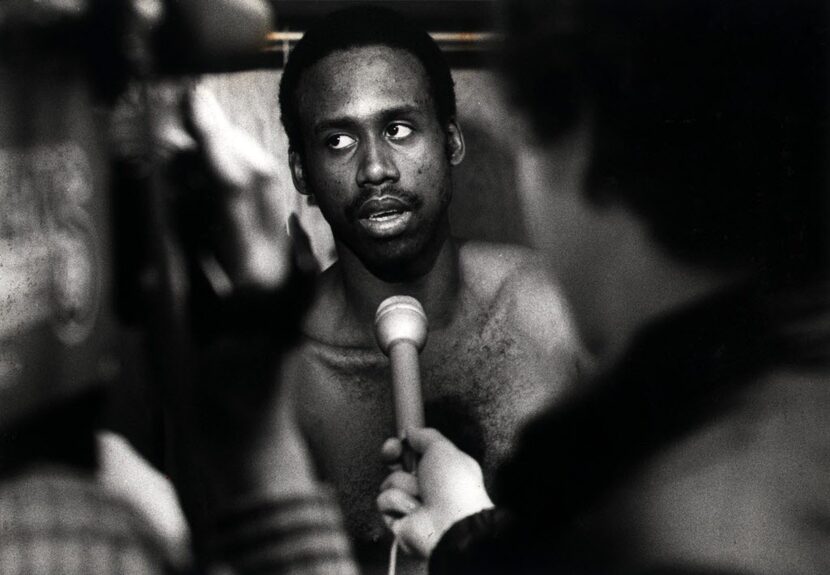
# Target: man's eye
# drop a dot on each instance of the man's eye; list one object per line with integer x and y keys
{"x": 340, "y": 141}
{"x": 398, "y": 131}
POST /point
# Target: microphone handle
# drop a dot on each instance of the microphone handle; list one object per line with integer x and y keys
{"x": 406, "y": 393}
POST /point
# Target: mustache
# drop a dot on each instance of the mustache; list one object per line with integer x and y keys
{"x": 410, "y": 200}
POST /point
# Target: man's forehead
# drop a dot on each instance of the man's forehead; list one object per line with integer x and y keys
{"x": 362, "y": 82}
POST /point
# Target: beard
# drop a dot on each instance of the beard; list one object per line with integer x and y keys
{"x": 402, "y": 258}
{"x": 409, "y": 258}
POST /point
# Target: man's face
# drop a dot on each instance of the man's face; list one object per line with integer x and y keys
{"x": 375, "y": 156}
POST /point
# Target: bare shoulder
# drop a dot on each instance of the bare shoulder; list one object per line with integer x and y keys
{"x": 486, "y": 265}
{"x": 516, "y": 280}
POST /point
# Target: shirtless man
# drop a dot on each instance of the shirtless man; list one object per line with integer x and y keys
{"x": 368, "y": 104}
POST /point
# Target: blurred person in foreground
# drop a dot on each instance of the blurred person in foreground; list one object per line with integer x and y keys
{"x": 703, "y": 447}
{"x": 265, "y": 512}
{"x": 368, "y": 103}
{"x": 69, "y": 503}
{"x": 74, "y": 499}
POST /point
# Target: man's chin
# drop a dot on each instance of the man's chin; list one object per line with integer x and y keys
{"x": 406, "y": 257}
{"x": 399, "y": 266}
{"x": 397, "y": 272}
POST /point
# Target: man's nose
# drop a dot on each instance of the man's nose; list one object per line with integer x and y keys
{"x": 377, "y": 165}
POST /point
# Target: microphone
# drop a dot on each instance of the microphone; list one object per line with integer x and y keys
{"x": 401, "y": 332}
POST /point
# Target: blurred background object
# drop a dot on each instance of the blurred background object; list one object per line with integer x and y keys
{"x": 55, "y": 254}
{"x": 62, "y": 340}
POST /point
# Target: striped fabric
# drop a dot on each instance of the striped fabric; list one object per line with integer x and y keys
{"x": 298, "y": 535}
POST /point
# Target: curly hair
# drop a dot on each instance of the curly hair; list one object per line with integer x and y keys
{"x": 363, "y": 26}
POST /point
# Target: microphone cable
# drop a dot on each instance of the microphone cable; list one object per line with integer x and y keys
{"x": 393, "y": 556}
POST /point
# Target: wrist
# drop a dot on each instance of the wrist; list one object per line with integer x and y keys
{"x": 460, "y": 548}
{"x": 457, "y": 514}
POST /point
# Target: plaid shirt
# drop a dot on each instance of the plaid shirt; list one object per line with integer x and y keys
{"x": 55, "y": 520}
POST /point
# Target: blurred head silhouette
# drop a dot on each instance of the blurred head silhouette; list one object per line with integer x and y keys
{"x": 708, "y": 119}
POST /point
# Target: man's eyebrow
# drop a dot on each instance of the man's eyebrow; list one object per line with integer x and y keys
{"x": 383, "y": 115}
{"x": 402, "y": 110}
{"x": 332, "y": 123}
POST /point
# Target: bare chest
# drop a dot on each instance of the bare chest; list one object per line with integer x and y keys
{"x": 469, "y": 379}
{"x": 478, "y": 381}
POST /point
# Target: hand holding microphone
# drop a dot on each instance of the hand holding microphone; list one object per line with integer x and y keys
{"x": 449, "y": 486}
{"x": 401, "y": 332}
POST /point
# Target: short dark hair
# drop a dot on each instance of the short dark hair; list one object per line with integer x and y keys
{"x": 709, "y": 116}
{"x": 356, "y": 27}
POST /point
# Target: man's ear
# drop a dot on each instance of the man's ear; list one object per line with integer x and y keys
{"x": 455, "y": 143}
{"x": 298, "y": 172}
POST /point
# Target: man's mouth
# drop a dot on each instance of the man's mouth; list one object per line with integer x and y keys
{"x": 384, "y": 217}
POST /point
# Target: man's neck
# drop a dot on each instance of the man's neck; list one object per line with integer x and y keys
{"x": 436, "y": 289}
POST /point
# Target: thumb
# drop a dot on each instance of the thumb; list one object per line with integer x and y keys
{"x": 416, "y": 534}
{"x": 421, "y": 439}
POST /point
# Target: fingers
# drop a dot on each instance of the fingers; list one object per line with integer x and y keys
{"x": 253, "y": 249}
{"x": 391, "y": 451}
{"x": 418, "y": 439}
{"x": 416, "y": 533}
{"x": 398, "y": 527}
{"x": 421, "y": 439}
{"x": 396, "y": 503}
{"x": 403, "y": 481}
{"x": 204, "y": 112}
{"x": 236, "y": 158}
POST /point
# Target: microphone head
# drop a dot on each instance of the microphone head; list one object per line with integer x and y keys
{"x": 400, "y": 317}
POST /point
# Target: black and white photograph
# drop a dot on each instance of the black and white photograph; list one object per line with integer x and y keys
{"x": 414, "y": 287}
